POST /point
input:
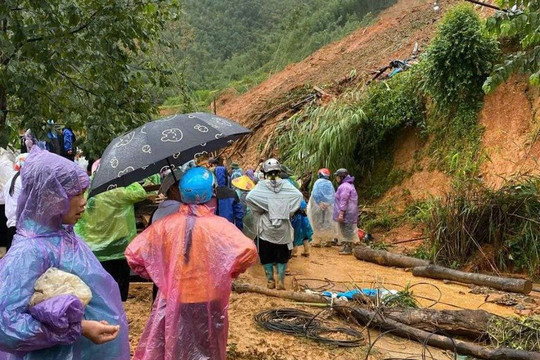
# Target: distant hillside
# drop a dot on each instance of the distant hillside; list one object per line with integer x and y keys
{"x": 240, "y": 42}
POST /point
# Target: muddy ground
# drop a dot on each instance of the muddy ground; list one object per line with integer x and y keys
{"x": 248, "y": 341}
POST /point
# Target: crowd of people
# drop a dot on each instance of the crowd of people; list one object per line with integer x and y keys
{"x": 213, "y": 222}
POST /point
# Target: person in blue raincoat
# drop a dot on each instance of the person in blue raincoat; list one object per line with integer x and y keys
{"x": 59, "y": 328}
{"x": 303, "y": 232}
{"x": 228, "y": 202}
{"x": 220, "y": 171}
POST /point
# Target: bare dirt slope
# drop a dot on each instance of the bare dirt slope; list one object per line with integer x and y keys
{"x": 392, "y": 36}
{"x": 510, "y": 114}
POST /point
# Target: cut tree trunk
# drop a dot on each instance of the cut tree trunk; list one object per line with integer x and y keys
{"x": 386, "y": 258}
{"x": 373, "y": 319}
{"x": 471, "y": 324}
{"x": 386, "y": 323}
{"x": 506, "y": 284}
{"x": 290, "y": 295}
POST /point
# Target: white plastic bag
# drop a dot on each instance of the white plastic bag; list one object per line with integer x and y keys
{"x": 56, "y": 282}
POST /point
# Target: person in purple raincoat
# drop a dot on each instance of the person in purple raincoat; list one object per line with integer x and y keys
{"x": 346, "y": 211}
{"x": 50, "y": 203}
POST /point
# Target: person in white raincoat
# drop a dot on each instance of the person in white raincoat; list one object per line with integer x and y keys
{"x": 321, "y": 208}
{"x": 273, "y": 201}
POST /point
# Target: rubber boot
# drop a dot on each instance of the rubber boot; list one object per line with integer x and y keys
{"x": 281, "y": 276}
{"x": 306, "y": 249}
{"x": 269, "y": 271}
{"x": 347, "y": 249}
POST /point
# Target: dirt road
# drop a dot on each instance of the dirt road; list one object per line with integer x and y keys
{"x": 247, "y": 341}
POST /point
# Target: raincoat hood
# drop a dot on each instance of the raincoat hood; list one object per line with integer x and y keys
{"x": 274, "y": 185}
{"x": 48, "y": 183}
{"x": 348, "y": 179}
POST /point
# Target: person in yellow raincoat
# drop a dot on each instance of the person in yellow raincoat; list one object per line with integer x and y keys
{"x": 192, "y": 256}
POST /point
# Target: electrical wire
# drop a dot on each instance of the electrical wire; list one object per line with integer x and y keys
{"x": 303, "y": 323}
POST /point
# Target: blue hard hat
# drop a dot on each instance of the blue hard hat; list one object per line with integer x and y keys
{"x": 197, "y": 186}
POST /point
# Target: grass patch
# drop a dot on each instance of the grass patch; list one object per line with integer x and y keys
{"x": 516, "y": 333}
{"x": 506, "y": 219}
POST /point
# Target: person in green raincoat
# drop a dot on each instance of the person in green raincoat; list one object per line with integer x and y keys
{"x": 108, "y": 225}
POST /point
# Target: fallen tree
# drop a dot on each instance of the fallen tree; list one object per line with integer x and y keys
{"x": 386, "y": 258}
{"x": 471, "y": 324}
{"x": 505, "y": 284}
{"x": 373, "y": 319}
{"x": 448, "y": 321}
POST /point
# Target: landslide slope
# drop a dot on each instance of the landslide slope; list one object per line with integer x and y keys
{"x": 510, "y": 115}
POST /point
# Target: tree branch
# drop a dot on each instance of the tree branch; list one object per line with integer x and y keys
{"x": 71, "y": 32}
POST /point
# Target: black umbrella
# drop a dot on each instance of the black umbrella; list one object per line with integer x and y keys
{"x": 162, "y": 144}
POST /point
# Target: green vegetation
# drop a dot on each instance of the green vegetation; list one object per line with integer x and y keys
{"x": 241, "y": 42}
{"x": 80, "y": 62}
{"x": 516, "y": 333}
{"x": 505, "y": 219}
{"x": 520, "y": 27}
{"x": 352, "y": 131}
{"x": 455, "y": 65}
{"x": 403, "y": 299}
{"x": 458, "y": 60}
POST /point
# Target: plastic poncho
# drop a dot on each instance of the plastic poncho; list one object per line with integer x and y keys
{"x": 346, "y": 200}
{"x": 302, "y": 227}
{"x": 273, "y": 202}
{"x": 320, "y": 210}
{"x": 192, "y": 256}
{"x": 229, "y": 206}
{"x": 108, "y": 224}
{"x": 41, "y": 243}
{"x": 6, "y": 170}
{"x": 249, "y": 227}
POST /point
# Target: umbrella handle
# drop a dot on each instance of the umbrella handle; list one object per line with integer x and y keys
{"x": 172, "y": 170}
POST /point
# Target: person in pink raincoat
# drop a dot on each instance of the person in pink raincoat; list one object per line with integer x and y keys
{"x": 192, "y": 256}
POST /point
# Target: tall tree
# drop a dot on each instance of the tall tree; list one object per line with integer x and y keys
{"x": 81, "y": 62}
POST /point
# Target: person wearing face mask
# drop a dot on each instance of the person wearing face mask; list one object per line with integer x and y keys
{"x": 51, "y": 202}
{"x": 346, "y": 210}
{"x": 273, "y": 202}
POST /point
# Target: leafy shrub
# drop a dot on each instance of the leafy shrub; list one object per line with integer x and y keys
{"x": 459, "y": 58}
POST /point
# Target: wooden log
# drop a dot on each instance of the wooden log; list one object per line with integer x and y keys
{"x": 386, "y": 258}
{"x": 471, "y": 324}
{"x": 284, "y": 294}
{"x": 505, "y": 284}
{"x": 364, "y": 316}
{"x": 383, "y": 322}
